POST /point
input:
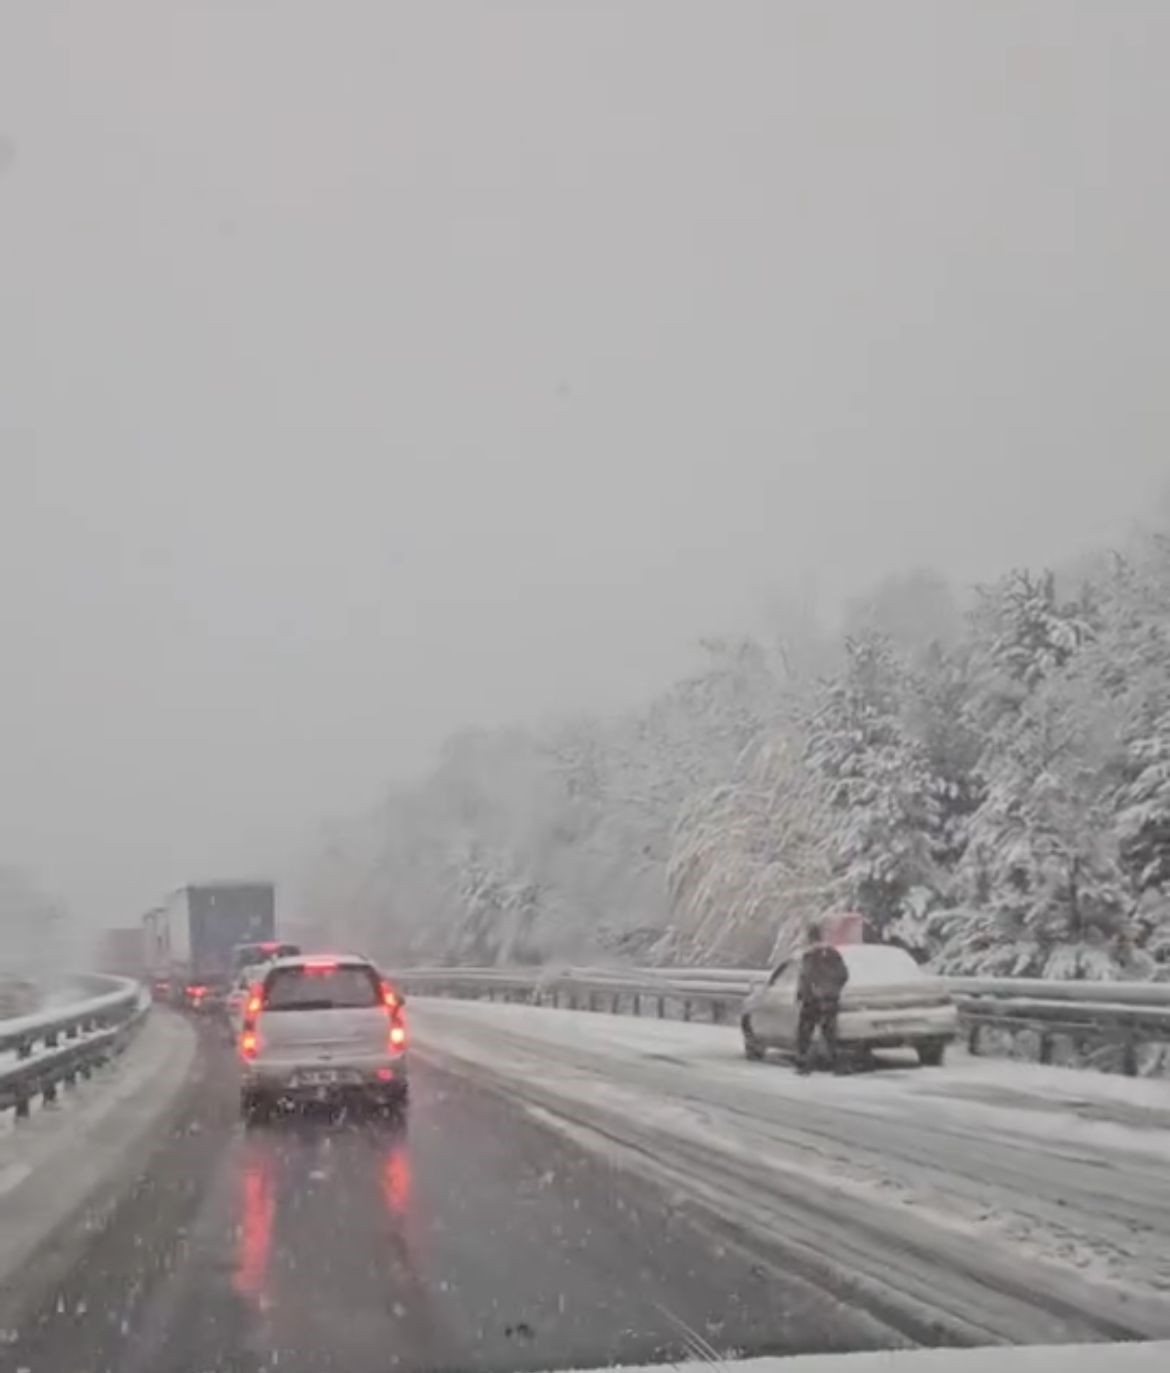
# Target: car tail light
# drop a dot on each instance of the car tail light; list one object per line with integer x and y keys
{"x": 398, "y": 1035}
{"x": 196, "y": 990}
{"x": 255, "y": 1003}
{"x": 249, "y": 1044}
{"x": 390, "y": 997}
{"x": 385, "y": 1074}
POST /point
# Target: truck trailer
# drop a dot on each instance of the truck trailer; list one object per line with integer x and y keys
{"x": 189, "y": 938}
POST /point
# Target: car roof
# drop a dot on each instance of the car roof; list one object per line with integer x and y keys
{"x": 300, "y": 960}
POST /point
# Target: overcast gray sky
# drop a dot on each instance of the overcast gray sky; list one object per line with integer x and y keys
{"x": 370, "y": 369}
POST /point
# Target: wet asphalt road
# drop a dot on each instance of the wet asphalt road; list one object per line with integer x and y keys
{"x": 470, "y": 1238}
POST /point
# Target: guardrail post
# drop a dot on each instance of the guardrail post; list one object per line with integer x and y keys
{"x": 592, "y": 1001}
{"x": 573, "y": 1001}
{"x": 662, "y": 1008}
{"x": 615, "y": 1003}
{"x": 49, "y": 1092}
{"x": 1045, "y": 1047}
{"x": 637, "y": 1003}
{"x": 24, "y": 1049}
{"x": 716, "y": 1012}
{"x": 686, "y": 1008}
{"x": 20, "y": 1108}
{"x": 974, "y": 1033}
{"x": 1129, "y": 1056}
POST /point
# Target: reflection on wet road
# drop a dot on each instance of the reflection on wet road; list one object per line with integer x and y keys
{"x": 471, "y": 1238}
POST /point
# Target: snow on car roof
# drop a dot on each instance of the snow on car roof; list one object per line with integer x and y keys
{"x": 877, "y": 963}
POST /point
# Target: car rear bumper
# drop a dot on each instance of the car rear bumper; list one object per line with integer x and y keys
{"x": 311, "y": 1080}
{"x": 897, "y": 1029}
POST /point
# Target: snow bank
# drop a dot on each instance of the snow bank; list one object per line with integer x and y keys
{"x": 1086, "y": 1358}
{"x": 51, "y": 1164}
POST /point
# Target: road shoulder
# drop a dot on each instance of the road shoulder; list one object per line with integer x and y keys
{"x": 65, "y": 1169}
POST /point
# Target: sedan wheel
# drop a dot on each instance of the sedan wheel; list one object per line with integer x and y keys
{"x": 255, "y": 1107}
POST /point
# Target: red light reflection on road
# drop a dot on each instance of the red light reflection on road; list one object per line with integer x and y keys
{"x": 254, "y": 1241}
{"x": 396, "y": 1180}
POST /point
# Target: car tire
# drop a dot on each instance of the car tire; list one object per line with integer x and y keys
{"x": 395, "y": 1103}
{"x": 752, "y": 1047}
{"x": 931, "y": 1053}
{"x": 255, "y": 1107}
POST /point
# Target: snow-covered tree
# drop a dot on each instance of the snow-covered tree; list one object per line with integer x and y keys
{"x": 1028, "y": 632}
{"x": 882, "y": 793}
{"x": 749, "y": 866}
{"x": 1043, "y": 892}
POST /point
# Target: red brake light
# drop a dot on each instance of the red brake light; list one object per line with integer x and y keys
{"x": 324, "y": 965}
{"x": 255, "y": 999}
{"x": 196, "y": 990}
{"x": 249, "y": 1044}
{"x": 397, "y": 1036}
{"x": 389, "y": 997}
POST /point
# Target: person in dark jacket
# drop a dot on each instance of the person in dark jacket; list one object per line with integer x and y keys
{"x": 823, "y": 976}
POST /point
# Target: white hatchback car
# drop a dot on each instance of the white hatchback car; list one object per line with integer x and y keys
{"x": 888, "y": 1003}
{"x": 241, "y": 990}
{"x": 322, "y": 1028}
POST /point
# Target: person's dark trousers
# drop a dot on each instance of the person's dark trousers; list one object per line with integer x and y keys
{"x": 813, "y": 1014}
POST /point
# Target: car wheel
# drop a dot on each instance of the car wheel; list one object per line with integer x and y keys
{"x": 255, "y": 1107}
{"x": 394, "y": 1103}
{"x": 931, "y": 1053}
{"x": 752, "y": 1047}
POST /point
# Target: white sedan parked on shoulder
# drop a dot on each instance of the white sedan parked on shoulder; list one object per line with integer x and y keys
{"x": 889, "y": 1002}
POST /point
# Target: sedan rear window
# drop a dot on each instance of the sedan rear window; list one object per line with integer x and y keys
{"x": 876, "y": 965}
{"x": 333, "y": 988}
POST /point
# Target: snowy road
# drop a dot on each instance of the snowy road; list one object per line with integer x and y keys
{"x": 984, "y": 1201}
{"x": 475, "y": 1239}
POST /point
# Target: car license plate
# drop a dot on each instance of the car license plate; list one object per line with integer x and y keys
{"x": 317, "y": 1077}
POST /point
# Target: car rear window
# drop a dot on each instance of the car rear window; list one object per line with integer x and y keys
{"x": 876, "y": 965}
{"x": 332, "y": 988}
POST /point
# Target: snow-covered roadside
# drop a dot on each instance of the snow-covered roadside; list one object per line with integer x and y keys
{"x": 1057, "y": 1177}
{"x": 1152, "y": 1357}
{"x": 52, "y": 1163}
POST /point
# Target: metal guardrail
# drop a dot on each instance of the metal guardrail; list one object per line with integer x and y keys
{"x": 41, "y": 1052}
{"x": 1124, "y": 1016}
